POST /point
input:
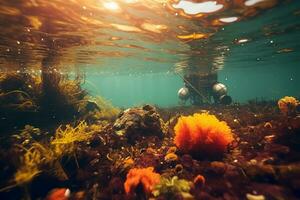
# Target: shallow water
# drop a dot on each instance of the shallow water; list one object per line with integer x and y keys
{"x": 131, "y": 51}
{"x": 131, "y": 99}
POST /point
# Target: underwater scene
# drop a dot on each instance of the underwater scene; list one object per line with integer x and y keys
{"x": 149, "y": 100}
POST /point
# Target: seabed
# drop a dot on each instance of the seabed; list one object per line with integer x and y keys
{"x": 57, "y": 142}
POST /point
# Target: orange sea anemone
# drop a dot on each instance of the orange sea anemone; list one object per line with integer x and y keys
{"x": 288, "y": 105}
{"x": 141, "y": 176}
{"x": 202, "y": 134}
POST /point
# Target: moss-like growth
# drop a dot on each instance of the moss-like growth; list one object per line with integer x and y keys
{"x": 171, "y": 188}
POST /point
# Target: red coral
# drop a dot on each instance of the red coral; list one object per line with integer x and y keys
{"x": 144, "y": 176}
{"x": 202, "y": 134}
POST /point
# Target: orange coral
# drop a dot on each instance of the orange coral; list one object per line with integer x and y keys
{"x": 288, "y": 104}
{"x": 202, "y": 134}
{"x": 144, "y": 176}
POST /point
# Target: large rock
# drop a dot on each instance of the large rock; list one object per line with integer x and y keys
{"x": 139, "y": 121}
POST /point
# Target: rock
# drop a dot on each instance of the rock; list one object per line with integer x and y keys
{"x": 139, "y": 121}
{"x": 260, "y": 172}
{"x": 277, "y": 149}
{"x": 218, "y": 167}
{"x": 295, "y": 123}
{"x": 288, "y": 172}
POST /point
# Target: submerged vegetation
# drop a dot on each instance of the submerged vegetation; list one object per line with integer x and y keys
{"x": 64, "y": 141}
{"x": 40, "y": 158}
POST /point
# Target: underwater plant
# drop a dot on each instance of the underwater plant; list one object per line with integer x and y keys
{"x": 65, "y": 139}
{"x": 287, "y": 105}
{"x": 171, "y": 188}
{"x": 60, "y": 95}
{"x": 141, "y": 177}
{"x": 32, "y": 161}
{"x": 39, "y": 158}
{"x": 27, "y": 135}
{"x": 202, "y": 134}
{"x": 18, "y": 91}
{"x": 107, "y": 110}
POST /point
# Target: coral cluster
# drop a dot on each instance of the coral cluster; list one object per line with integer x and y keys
{"x": 287, "y": 105}
{"x": 202, "y": 134}
{"x": 144, "y": 177}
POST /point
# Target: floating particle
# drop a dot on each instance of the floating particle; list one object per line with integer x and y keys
{"x": 228, "y": 19}
{"x": 114, "y": 38}
{"x": 285, "y": 50}
{"x": 194, "y": 36}
{"x": 244, "y": 40}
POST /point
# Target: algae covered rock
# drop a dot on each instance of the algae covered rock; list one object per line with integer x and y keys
{"x": 139, "y": 121}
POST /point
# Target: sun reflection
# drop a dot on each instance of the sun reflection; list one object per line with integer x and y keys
{"x": 78, "y": 23}
{"x": 192, "y": 8}
{"x": 130, "y": 1}
{"x": 252, "y": 2}
{"x": 193, "y": 36}
{"x": 156, "y": 28}
{"x": 111, "y": 5}
{"x": 241, "y": 41}
{"x": 228, "y": 19}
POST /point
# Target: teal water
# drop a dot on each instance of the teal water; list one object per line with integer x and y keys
{"x": 135, "y": 52}
{"x": 257, "y": 69}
